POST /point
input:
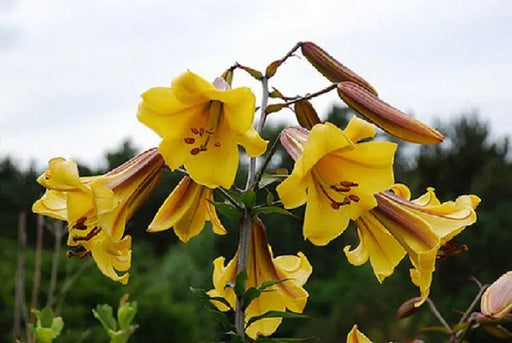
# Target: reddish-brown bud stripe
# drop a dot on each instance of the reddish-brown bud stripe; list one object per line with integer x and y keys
{"x": 388, "y": 118}
{"x": 306, "y": 114}
{"x": 329, "y": 67}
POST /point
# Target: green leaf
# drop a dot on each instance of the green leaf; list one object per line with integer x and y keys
{"x": 57, "y": 326}
{"x": 202, "y": 295}
{"x": 253, "y": 72}
{"x": 276, "y": 94}
{"x": 238, "y": 339}
{"x": 272, "y": 68}
{"x": 274, "y": 108}
{"x": 125, "y": 314}
{"x": 240, "y": 281}
{"x": 227, "y": 210}
{"x": 270, "y": 197}
{"x": 220, "y": 317}
{"x": 276, "y": 314}
{"x": 274, "y": 209}
{"x": 251, "y": 294}
{"x": 269, "y": 283}
{"x": 104, "y": 314}
{"x": 237, "y": 196}
{"x": 249, "y": 198}
{"x": 45, "y": 316}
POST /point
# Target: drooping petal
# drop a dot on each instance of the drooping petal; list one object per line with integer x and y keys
{"x": 111, "y": 256}
{"x": 292, "y": 191}
{"x": 355, "y": 336}
{"x": 52, "y": 204}
{"x": 377, "y": 244}
{"x": 253, "y": 144}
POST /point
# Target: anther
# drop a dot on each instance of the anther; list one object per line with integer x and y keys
{"x": 335, "y": 205}
{"x": 210, "y": 132}
{"x": 79, "y": 225}
{"x": 340, "y": 189}
{"x": 201, "y": 131}
{"x": 87, "y": 237}
{"x": 353, "y": 197}
{"x": 348, "y": 184}
{"x": 217, "y": 145}
{"x": 189, "y": 140}
{"x": 194, "y": 131}
{"x": 195, "y": 151}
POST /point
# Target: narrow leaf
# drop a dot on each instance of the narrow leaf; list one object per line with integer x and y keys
{"x": 276, "y": 314}
{"x": 249, "y": 198}
{"x": 275, "y": 209}
{"x": 227, "y": 210}
{"x": 274, "y": 108}
{"x": 240, "y": 281}
{"x": 220, "y": 317}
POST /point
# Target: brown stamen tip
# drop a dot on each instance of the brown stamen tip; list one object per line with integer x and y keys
{"x": 340, "y": 189}
{"x": 79, "y": 225}
{"x": 217, "y": 145}
{"x": 348, "y": 184}
{"x": 87, "y": 237}
{"x": 353, "y": 197}
{"x": 194, "y": 131}
{"x": 201, "y": 131}
{"x": 189, "y": 140}
{"x": 195, "y": 151}
{"x": 335, "y": 205}
{"x": 210, "y": 132}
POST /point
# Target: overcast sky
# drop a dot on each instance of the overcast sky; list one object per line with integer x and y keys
{"x": 71, "y": 72}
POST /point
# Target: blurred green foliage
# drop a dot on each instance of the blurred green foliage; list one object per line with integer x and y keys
{"x": 471, "y": 160}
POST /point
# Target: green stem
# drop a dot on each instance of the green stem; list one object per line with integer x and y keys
{"x": 267, "y": 159}
{"x": 440, "y": 318}
{"x": 244, "y": 240}
{"x": 313, "y": 95}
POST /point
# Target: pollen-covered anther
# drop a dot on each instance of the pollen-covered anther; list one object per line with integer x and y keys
{"x": 340, "y": 189}
{"x": 189, "y": 140}
{"x": 78, "y": 251}
{"x": 348, "y": 184}
{"x": 217, "y": 145}
{"x": 194, "y": 131}
{"x": 87, "y": 237}
{"x": 80, "y": 224}
{"x": 353, "y": 197}
{"x": 195, "y": 151}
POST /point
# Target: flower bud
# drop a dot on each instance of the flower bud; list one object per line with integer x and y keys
{"x": 388, "y": 118}
{"x": 293, "y": 139}
{"x": 330, "y": 67}
{"x": 408, "y": 308}
{"x": 497, "y": 299}
{"x": 306, "y": 114}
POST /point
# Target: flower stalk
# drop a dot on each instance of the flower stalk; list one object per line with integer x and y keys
{"x": 245, "y": 223}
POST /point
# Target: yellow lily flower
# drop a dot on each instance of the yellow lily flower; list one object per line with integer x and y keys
{"x": 201, "y": 125}
{"x": 98, "y": 207}
{"x": 262, "y": 266}
{"x": 496, "y": 301}
{"x": 335, "y": 175}
{"x": 355, "y": 336}
{"x": 419, "y": 228}
{"x": 186, "y": 210}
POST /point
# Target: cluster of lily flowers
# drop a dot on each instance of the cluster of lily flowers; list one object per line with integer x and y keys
{"x": 340, "y": 175}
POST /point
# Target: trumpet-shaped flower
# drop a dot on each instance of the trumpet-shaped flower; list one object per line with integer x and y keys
{"x": 496, "y": 301}
{"x": 186, "y": 210}
{"x": 98, "y": 207}
{"x": 262, "y": 266}
{"x": 201, "y": 125}
{"x": 355, "y": 336}
{"x": 398, "y": 226}
{"x": 336, "y": 176}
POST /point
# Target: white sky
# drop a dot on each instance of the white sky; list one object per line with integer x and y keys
{"x": 71, "y": 72}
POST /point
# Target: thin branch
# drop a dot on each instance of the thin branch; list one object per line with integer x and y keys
{"x": 229, "y": 198}
{"x": 37, "y": 269}
{"x": 313, "y": 95}
{"x": 19, "y": 292}
{"x": 291, "y": 52}
{"x": 58, "y": 231}
{"x": 440, "y": 318}
{"x": 69, "y": 282}
{"x": 267, "y": 159}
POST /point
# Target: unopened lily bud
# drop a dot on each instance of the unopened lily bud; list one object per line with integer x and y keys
{"x": 306, "y": 114}
{"x": 388, "y": 118}
{"x": 408, "y": 308}
{"x": 330, "y": 67}
{"x": 497, "y": 299}
{"x": 293, "y": 139}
